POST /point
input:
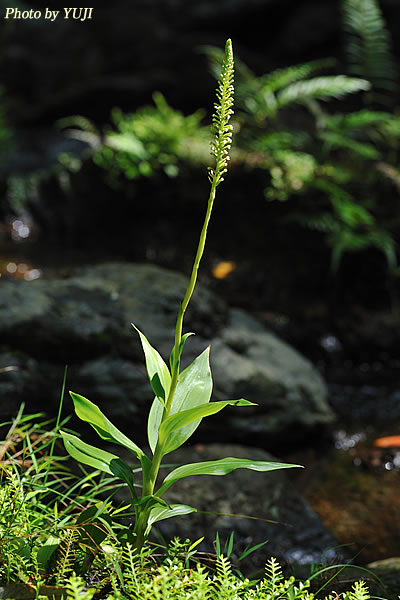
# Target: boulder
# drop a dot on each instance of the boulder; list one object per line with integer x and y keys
{"x": 85, "y": 321}
{"x": 255, "y": 506}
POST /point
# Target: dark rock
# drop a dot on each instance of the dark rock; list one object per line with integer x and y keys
{"x": 85, "y": 322}
{"x": 19, "y": 379}
{"x": 256, "y": 506}
{"x": 120, "y": 387}
{"x": 290, "y": 394}
{"x": 58, "y": 320}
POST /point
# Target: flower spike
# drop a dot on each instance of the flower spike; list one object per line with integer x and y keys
{"x": 222, "y": 129}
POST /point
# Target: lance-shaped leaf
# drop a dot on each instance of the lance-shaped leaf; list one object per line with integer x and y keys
{"x": 89, "y": 412}
{"x": 219, "y": 467}
{"x": 157, "y": 370}
{"x": 97, "y": 458}
{"x": 174, "y": 423}
{"x": 193, "y": 389}
{"x": 159, "y": 513}
{"x": 183, "y": 340}
{"x": 46, "y": 551}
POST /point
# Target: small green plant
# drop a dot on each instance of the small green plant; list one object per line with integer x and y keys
{"x": 173, "y": 580}
{"x": 52, "y": 522}
{"x": 182, "y": 399}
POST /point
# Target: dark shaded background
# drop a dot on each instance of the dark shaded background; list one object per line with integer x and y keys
{"x": 55, "y": 69}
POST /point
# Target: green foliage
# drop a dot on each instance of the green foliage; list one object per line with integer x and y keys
{"x": 48, "y": 539}
{"x": 76, "y": 589}
{"x": 182, "y": 399}
{"x": 173, "y": 580}
{"x": 262, "y": 97}
{"x": 337, "y": 162}
{"x": 152, "y": 139}
{"x": 45, "y": 532}
{"x": 310, "y": 157}
{"x": 369, "y": 45}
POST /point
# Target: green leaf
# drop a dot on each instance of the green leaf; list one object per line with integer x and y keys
{"x": 158, "y": 388}
{"x": 89, "y": 412}
{"x": 219, "y": 467}
{"x": 183, "y": 340}
{"x": 157, "y": 370}
{"x": 321, "y": 88}
{"x": 193, "y": 389}
{"x": 94, "y": 525}
{"x": 97, "y": 458}
{"x": 46, "y": 551}
{"x": 179, "y": 420}
{"x": 150, "y": 500}
{"x": 159, "y": 513}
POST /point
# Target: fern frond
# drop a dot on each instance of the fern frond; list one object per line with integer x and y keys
{"x": 357, "y": 120}
{"x": 76, "y": 589}
{"x": 273, "y": 573}
{"x": 129, "y": 565}
{"x": 321, "y": 88}
{"x": 359, "y": 592}
{"x": 362, "y": 149}
{"x": 257, "y": 95}
{"x": 369, "y": 44}
{"x": 223, "y": 567}
{"x": 280, "y": 78}
{"x": 66, "y": 554}
{"x": 324, "y": 222}
{"x": 226, "y": 585}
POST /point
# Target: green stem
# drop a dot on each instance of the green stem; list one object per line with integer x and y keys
{"x": 149, "y": 482}
{"x": 187, "y": 297}
{"x": 220, "y": 149}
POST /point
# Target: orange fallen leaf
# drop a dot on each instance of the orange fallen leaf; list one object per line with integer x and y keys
{"x": 223, "y": 269}
{"x": 391, "y": 441}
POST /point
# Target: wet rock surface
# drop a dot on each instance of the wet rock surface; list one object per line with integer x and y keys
{"x": 85, "y": 321}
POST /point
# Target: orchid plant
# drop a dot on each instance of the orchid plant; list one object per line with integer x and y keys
{"x": 182, "y": 398}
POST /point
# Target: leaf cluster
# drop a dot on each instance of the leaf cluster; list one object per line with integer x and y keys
{"x": 155, "y": 138}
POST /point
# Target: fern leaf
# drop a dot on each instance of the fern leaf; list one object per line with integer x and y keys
{"x": 369, "y": 44}
{"x": 76, "y": 589}
{"x": 359, "y": 592}
{"x": 280, "y": 78}
{"x": 357, "y": 120}
{"x": 66, "y": 554}
{"x": 324, "y": 223}
{"x": 273, "y": 573}
{"x": 363, "y": 149}
{"x": 321, "y": 88}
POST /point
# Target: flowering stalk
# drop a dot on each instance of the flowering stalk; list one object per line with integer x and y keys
{"x": 220, "y": 147}
{"x": 181, "y": 400}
